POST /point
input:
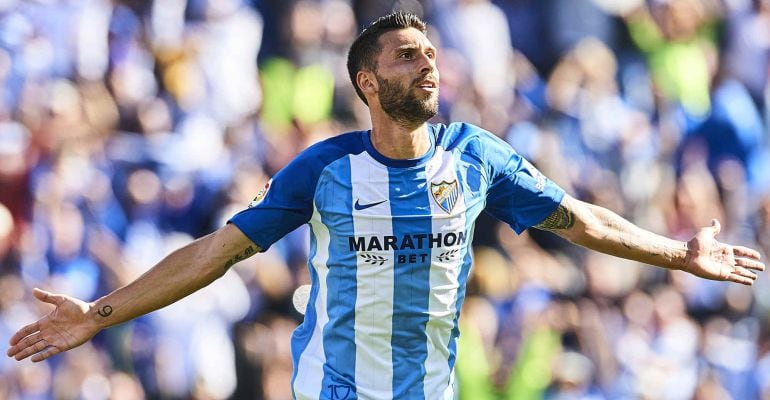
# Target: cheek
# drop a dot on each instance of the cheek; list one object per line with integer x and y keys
{"x": 396, "y": 72}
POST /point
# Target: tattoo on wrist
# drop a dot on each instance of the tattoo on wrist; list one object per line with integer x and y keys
{"x": 105, "y": 311}
{"x": 561, "y": 218}
{"x": 240, "y": 257}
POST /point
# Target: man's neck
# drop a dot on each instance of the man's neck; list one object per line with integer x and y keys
{"x": 399, "y": 142}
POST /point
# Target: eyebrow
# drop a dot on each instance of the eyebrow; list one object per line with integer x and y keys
{"x": 411, "y": 47}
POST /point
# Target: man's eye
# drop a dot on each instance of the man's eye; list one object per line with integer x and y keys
{"x": 405, "y": 56}
{"x": 431, "y": 55}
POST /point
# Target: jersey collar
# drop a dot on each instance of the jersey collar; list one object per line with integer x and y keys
{"x": 396, "y": 163}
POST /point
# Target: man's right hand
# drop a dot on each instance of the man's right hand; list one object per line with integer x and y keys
{"x": 179, "y": 274}
{"x": 67, "y": 326}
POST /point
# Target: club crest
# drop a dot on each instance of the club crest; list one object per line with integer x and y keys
{"x": 445, "y": 194}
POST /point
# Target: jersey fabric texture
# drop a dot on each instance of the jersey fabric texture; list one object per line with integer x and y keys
{"x": 390, "y": 254}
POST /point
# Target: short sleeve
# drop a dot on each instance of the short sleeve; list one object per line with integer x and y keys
{"x": 284, "y": 204}
{"x": 518, "y": 194}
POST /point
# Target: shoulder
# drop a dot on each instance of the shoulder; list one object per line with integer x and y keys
{"x": 469, "y": 139}
{"x": 303, "y": 172}
{"x": 325, "y": 152}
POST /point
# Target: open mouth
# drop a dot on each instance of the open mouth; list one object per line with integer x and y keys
{"x": 428, "y": 85}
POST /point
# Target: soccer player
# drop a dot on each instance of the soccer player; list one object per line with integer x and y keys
{"x": 391, "y": 214}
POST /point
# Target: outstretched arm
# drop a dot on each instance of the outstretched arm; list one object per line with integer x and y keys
{"x": 181, "y": 273}
{"x": 602, "y": 230}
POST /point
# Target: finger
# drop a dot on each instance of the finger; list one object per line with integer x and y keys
{"x": 740, "y": 279}
{"x": 24, "y": 332}
{"x": 50, "y": 351}
{"x": 749, "y": 263}
{"x": 28, "y": 351}
{"x": 741, "y": 251}
{"x": 716, "y": 226}
{"x": 47, "y": 297}
{"x": 745, "y": 273}
{"x": 24, "y": 343}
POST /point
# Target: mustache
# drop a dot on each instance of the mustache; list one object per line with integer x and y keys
{"x": 427, "y": 77}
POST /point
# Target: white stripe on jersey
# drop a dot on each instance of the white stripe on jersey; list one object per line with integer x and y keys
{"x": 307, "y": 385}
{"x": 374, "y": 279}
{"x": 444, "y": 272}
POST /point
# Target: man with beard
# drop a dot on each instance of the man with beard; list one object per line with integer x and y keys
{"x": 391, "y": 212}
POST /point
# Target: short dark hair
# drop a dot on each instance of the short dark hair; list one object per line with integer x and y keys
{"x": 364, "y": 50}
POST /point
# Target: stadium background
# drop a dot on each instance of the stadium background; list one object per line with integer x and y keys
{"x": 128, "y": 128}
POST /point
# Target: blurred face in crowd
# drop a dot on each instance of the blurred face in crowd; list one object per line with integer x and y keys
{"x": 406, "y": 75}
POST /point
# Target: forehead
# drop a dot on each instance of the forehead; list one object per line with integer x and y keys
{"x": 408, "y": 37}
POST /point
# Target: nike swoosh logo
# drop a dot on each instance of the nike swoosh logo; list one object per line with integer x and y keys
{"x": 359, "y": 206}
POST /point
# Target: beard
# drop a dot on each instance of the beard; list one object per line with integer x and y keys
{"x": 401, "y": 103}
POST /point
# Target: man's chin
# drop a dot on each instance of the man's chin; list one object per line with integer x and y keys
{"x": 414, "y": 109}
{"x": 427, "y": 100}
{"x": 430, "y": 109}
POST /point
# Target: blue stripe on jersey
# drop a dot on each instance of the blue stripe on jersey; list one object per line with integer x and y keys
{"x": 462, "y": 280}
{"x": 339, "y": 336}
{"x": 472, "y": 181}
{"x": 411, "y": 282}
{"x": 302, "y": 335}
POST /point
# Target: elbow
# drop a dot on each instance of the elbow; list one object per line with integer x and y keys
{"x": 578, "y": 235}
{"x": 223, "y": 249}
{"x": 587, "y": 229}
{"x": 592, "y": 233}
{"x": 213, "y": 270}
{"x": 209, "y": 263}
{"x": 214, "y": 267}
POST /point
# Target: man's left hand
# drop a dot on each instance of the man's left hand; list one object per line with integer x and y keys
{"x": 711, "y": 259}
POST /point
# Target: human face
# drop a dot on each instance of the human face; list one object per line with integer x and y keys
{"x": 407, "y": 78}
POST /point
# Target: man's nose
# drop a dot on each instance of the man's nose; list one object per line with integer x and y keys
{"x": 427, "y": 64}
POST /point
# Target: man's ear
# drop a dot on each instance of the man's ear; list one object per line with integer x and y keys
{"x": 367, "y": 82}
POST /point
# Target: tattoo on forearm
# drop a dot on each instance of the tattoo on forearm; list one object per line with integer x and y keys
{"x": 562, "y": 218}
{"x": 240, "y": 257}
{"x": 105, "y": 311}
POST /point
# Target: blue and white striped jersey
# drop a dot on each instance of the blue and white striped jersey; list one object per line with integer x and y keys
{"x": 390, "y": 254}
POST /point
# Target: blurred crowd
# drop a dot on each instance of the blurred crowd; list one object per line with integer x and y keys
{"x": 128, "y": 128}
